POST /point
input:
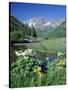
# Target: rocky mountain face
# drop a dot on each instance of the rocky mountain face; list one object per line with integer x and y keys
{"x": 48, "y": 28}
{"x": 37, "y": 26}
{"x": 41, "y": 23}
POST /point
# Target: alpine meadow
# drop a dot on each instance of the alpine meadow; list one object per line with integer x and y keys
{"x": 37, "y": 45}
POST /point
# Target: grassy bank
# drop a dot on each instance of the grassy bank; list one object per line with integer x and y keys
{"x": 52, "y": 45}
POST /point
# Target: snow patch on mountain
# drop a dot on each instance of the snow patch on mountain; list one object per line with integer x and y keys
{"x": 42, "y": 23}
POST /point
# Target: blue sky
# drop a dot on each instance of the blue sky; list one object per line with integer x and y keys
{"x": 25, "y": 11}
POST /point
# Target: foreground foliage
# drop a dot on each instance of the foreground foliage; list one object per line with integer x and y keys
{"x": 27, "y": 71}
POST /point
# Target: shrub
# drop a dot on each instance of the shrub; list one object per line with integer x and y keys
{"x": 27, "y": 71}
{"x": 23, "y": 72}
{"x": 56, "y": 74}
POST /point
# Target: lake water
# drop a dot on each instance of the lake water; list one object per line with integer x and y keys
{"x": 39, "y": 55}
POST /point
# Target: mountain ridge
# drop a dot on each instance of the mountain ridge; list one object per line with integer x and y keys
{"x": 40, "y": 23}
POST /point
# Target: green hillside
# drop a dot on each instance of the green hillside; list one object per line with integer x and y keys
{"x": 60, "y": 31}
{"x": 20, "y": 31}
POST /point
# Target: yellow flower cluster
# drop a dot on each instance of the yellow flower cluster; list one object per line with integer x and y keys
{"x": 61, "y": 63}
{"x": 37, "y": 70}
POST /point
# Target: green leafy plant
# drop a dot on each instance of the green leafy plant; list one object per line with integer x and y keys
{"x": 56, "y": 74}
{"x": 26, "y": 71}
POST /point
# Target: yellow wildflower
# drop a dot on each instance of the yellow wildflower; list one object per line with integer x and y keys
{"x": 37, "y": 69}
{"x": 34, "y": 70}
{"x": 61, "y": 63}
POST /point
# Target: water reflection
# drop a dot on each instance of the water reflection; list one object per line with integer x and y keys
{"x": 38, "y": 55}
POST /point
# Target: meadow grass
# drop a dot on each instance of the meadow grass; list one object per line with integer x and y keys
{"x": 26, "y": 72}
{"x": 52, "y": 45}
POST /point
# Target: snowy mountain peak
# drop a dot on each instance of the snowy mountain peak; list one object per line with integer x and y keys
{"x": 48, "y": 23}
{"x": 30, "y": 24}
{"x": 42, "y": 23}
